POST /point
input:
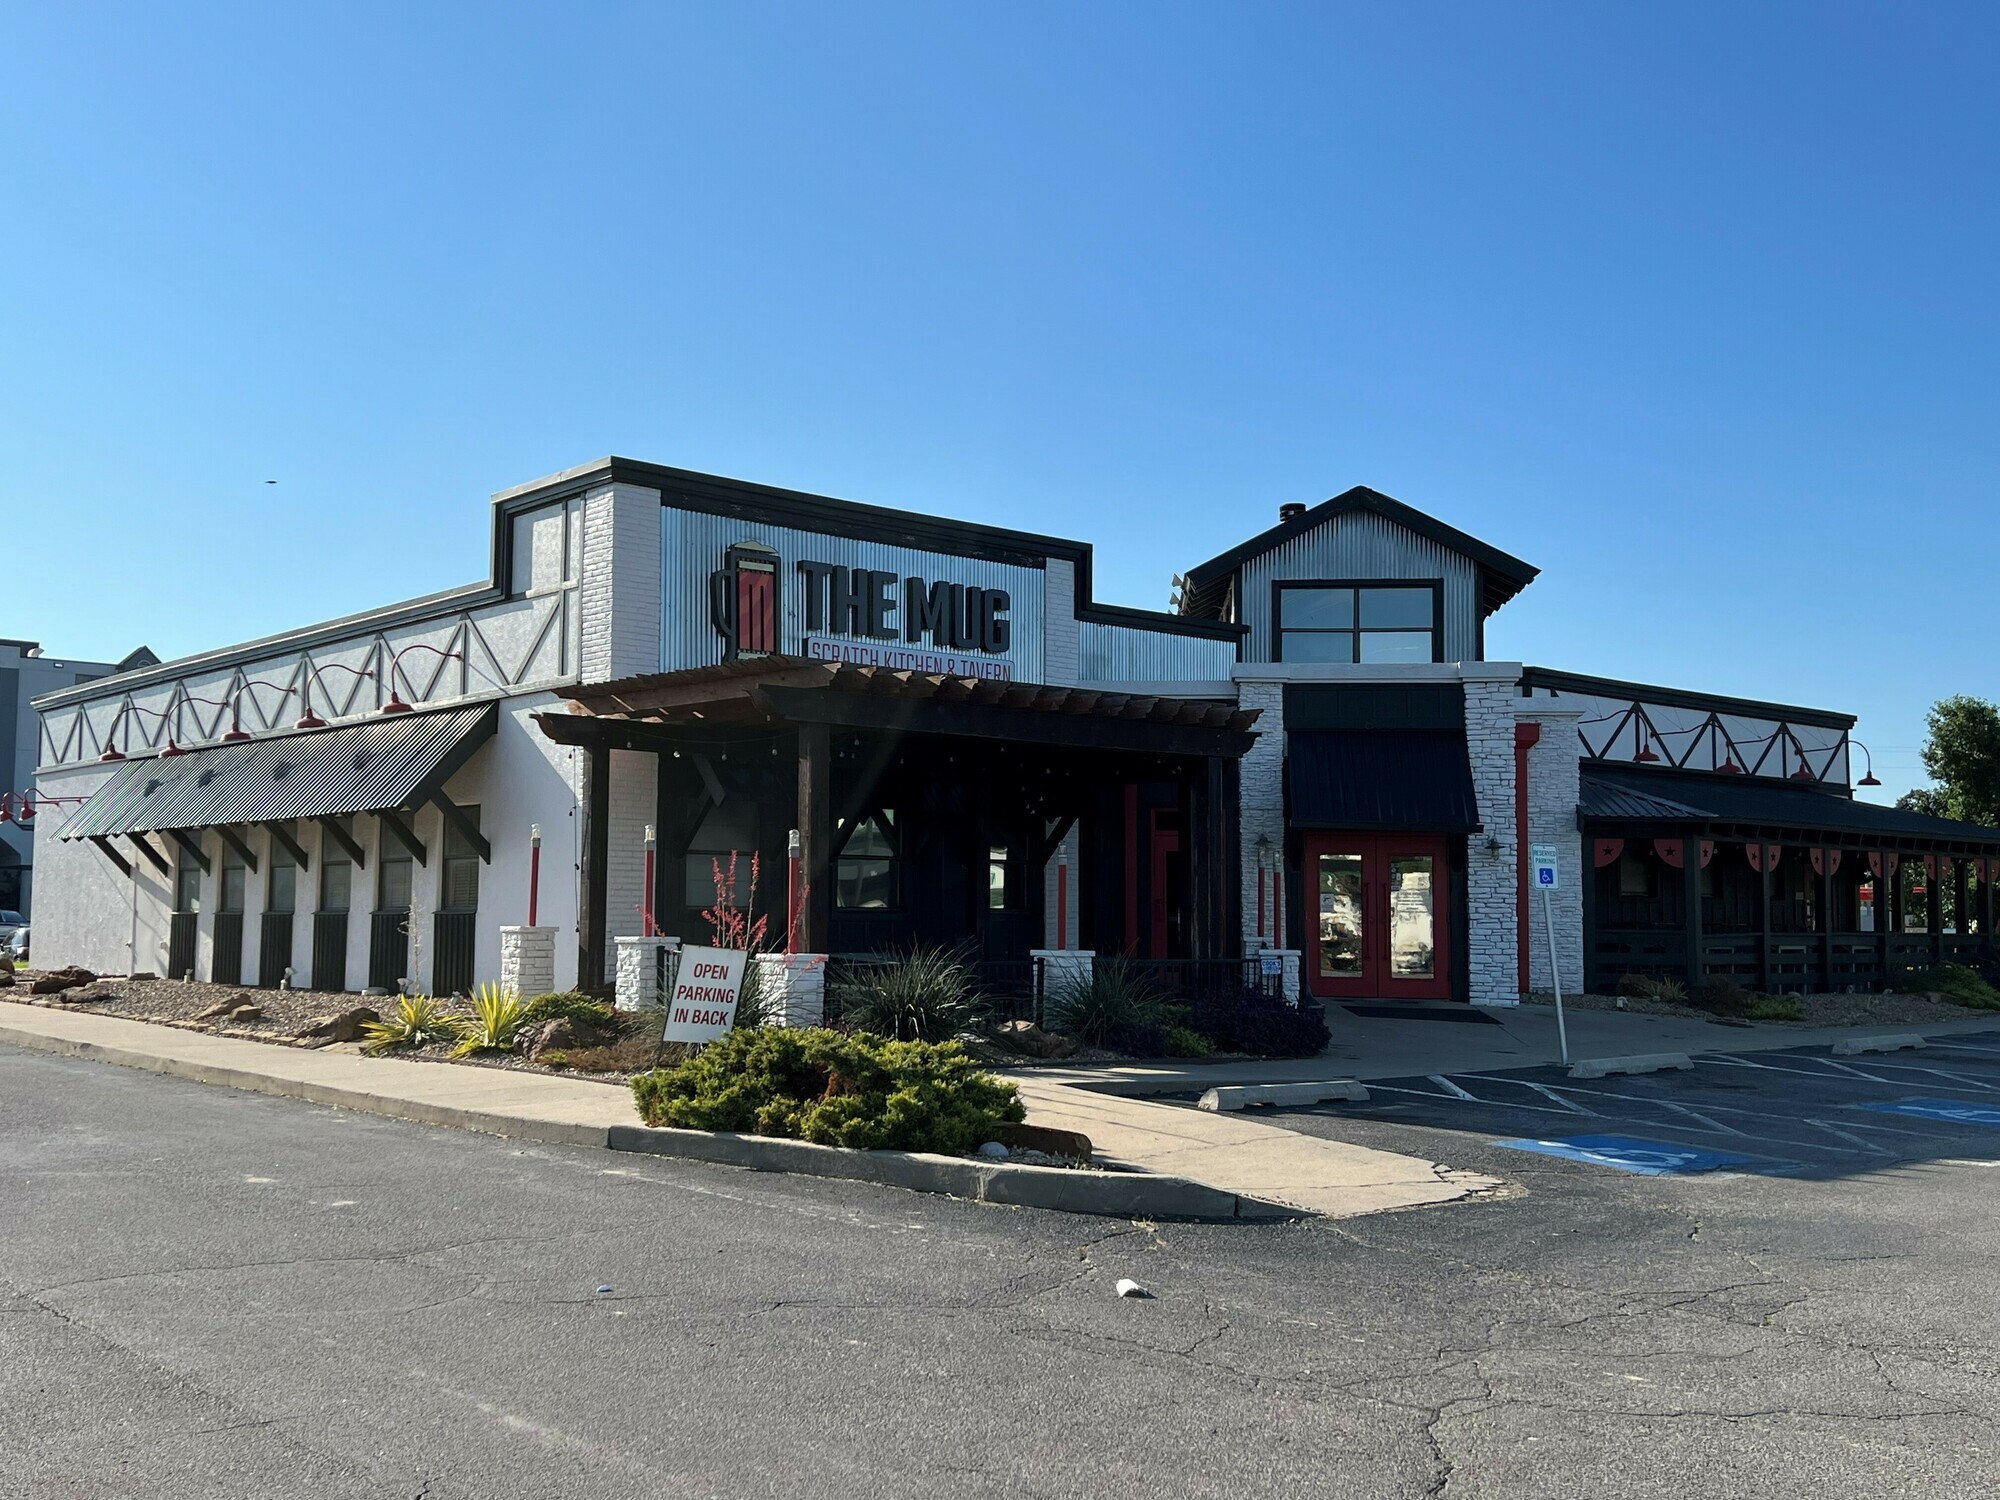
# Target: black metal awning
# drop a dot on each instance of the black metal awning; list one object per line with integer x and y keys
{"x": 1405, "y": 780}
{"x": 1756, "y": 805}
{"x": 394, "y": 763}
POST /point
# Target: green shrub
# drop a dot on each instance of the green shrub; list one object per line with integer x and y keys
{"x": 835, "y": 1088}
{"x": 1775, "y": 1008}
{"x": 495, "y": 1023}
{"x": 1651, "y": 987}
{"x": 1248, "y": 1020}
{"x": 571, "y": 1005}
{"x": 1955, "y": 982}
{"x": 925, "y": 995}
{"x": 556, "y": 1059}
{"x": 1720, "y": 995}
{"x": 1185, "y": 1041}
{"x": 413, "y": 1021}
{"x": 1115, "y": 1006}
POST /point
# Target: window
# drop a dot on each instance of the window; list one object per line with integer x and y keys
{"x": 336, "y": 871}
{"x": 1000, "y": 881}
{"x": 543, "y": 549}
{"x": 187, "y": 883}
{"x": 234, "y": 879}
{"x": 729, "y": 827}
{"x": 1635, "y": 875}
{"x": 459, "y": 889}
{"x": 865, "y": 874}
{"x": 394, "y": 882}
{"x": 284, "y": 880}
{"x": 1359, "y": 622}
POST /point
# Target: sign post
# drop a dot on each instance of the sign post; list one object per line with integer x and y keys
{"x": 1548, "y": 877}
{"x": 707, "y": 984}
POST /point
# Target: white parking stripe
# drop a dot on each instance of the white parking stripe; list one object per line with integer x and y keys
{"x": 1451, "y": 1088}
{"x": 1549, "y": 1093}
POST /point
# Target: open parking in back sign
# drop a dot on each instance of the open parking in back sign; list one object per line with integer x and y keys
{"x": 1956, "y": 1111}
{"x": 1630, "y": 1154}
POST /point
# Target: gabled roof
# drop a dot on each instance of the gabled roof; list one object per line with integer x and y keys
{"x": 1777, "y": 808}
{"x": 1502, "y": 575}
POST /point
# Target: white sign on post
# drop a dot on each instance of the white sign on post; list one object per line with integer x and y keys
{"x": 1548, "y": 877}
{"x": 703, "y": 1004}
{"x": 1547, "y": 870}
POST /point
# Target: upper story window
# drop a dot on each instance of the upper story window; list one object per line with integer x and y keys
{"x": 1360, "y": 622}
{"x": 543, "y": 549}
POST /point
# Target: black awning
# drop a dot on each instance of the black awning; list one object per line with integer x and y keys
{"x": 386, "y": 763}
{"x": 1387, "y": 779}
{"x": 1636, "y": 795}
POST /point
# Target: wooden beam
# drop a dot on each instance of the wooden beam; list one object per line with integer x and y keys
{"x": 235, "y": 841}
{"x": 459, "y": 819}
{"x": 332, "y": 829}
{"x": 815, "y": 823}
{"x": 593, "y": 947}
{"x": 153, "y": 856}
{"x": 110, "y": 852}
{"x": 193, "y": 848}
{"x": 290, "y": 845}
{"x": 392, "y": 820}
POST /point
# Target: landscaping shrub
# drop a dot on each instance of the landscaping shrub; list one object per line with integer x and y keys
{"x": 835, "y": 1088}
{"x": 1721, "y": 996}
{"x": 495, "y": 1023}
{"x": 1185, "y": 1041}
{"x": 569, "y": 1005}
{"x": 413, "y": 1021}
{"x": 1262, "y": 1025}
{"x": 1651, "y": 987}
{"x": 1775, "y": 1008}
{"x": 1955, "y": 982}
{"x": 1116, "y": 1006}
{"x": 925, "y": 995}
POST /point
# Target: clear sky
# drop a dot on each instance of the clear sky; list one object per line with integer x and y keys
{"x": 1693, "y": 306}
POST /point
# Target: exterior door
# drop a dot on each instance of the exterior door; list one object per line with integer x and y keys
{"x": 1380, "y": 928}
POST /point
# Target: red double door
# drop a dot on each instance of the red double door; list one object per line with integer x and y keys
{"x": 1378, "y": 918}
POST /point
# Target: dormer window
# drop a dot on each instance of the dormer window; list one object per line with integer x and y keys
{"x": 1360, "y": 623}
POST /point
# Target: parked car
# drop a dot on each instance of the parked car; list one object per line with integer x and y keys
{"x": 10, "y": 922}
{"x": 16, "y": 945}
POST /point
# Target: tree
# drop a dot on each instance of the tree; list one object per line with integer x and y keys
{"x": 1962, "y": 753}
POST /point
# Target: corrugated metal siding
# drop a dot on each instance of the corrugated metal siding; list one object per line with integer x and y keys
{"x": 356, "y": 768}
{"x": 1124, "y": 653}
{"x": 1361, "y": 544}
{"x": 692, "y": 546}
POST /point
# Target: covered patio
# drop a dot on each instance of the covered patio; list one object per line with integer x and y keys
{"x": 1775, "y": 885}
{"x": 932, "y": 810}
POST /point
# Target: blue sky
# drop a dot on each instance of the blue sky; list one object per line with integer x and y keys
{"x": 1692, "y": 306}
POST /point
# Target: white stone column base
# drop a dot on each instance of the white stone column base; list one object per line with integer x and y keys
{"x": 638, "y": 971}
{"x": 1288, "y": 971}
{"x": 528, "y": 960}
{"x": 1056, "y": 969}
{"x": 792, "y": 987}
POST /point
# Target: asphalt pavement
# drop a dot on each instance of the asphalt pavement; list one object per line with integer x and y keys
{"x": 216, "y": 1293}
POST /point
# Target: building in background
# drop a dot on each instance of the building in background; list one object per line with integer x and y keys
{"x": 25, "y": 674}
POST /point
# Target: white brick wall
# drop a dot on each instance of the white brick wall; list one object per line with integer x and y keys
{"x": 1261, "y": 795}
{"x": 619, "y": 608}
{"x": 1491, "y": 874}
{"x": 1061, "y": 652}
{"x": 1553, "y": 791}
{"x": 1070, "y": 845}
{"x": 635, "y": 788}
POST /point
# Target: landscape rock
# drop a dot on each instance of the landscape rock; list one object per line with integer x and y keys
{"x": 226, "y": 1006}
{"x": 546, "y": 1036}
{"x": 57, "y": 980}
{"x": 6, "y": 975}
{"x": 1028, "y": 1039}
{"x": 247, "y": 1013}
{"x": 345, "y": 1026}
{"x": 86, "y": 997}
{"x": 1044, "y": 1139}
{"x": 993, "y": 1151}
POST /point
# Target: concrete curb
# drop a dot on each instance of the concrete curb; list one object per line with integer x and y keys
{"x": 1125, "y": 1195}
{"x": 1638, "y": 1062}
{"x": 1244, "y": 1095}
{"x": 1854, "y": 1046}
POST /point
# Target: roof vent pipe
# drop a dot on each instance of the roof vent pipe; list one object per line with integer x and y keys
{"x": 1290, "y": 512}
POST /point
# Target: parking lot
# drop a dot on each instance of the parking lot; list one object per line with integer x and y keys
{"x": 1799, "y": 1113}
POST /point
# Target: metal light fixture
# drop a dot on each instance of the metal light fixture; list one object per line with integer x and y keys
{"x": 396, "y": 705}
{"x": 1869, "y": 778}
{"x": 1729, "y": 766}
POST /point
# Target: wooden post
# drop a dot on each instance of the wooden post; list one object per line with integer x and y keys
{"x": 815, "y": 820}
{"x": 1764, "y": 916}
{"x": 591, "y": 945}
{"x": 1691, "y": 896}
{"x": 1934, "y": 905}
{"x": 1826, "y": 921}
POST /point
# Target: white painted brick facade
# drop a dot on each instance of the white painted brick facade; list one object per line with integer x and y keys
{"x": 635, "y": 792}
{"x": 1261, "y": 798}
{"x": 1071, "y": 844}
{"x": 1061, "y": 648}
{"x": 1553, "y": 792}
{"x": 619, "y": 627}
{"x": 1491, "y": 874}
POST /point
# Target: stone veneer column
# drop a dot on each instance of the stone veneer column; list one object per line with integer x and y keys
{"x": 528, "y": 960}
{"x": 1554, "y": 767}
{"x": 1490, "y": 878}
{"x": 639, "y": 971}
{"x": 1261, "y": 799}
{"x": 792, "y": 987}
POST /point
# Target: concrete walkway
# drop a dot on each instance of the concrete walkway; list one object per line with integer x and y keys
{"x": 1227, "y": 1153}
{"x": 1367, "y": 1047}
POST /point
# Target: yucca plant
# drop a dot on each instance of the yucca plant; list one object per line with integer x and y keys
{"x": 925, "y": 995}
{"x": 496, "y": 1020}
{"x": 1117, "y": 1005}
{"x": 413, "y": 1021}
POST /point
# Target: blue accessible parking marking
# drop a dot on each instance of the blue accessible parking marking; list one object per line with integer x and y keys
{"x": 1630, "y": 1154}
{"x": 1955, "y": 1110}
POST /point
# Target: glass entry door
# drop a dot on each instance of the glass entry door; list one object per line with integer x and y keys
{"x": 1378, "y": 924}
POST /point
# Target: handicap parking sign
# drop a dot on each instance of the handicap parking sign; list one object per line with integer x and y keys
{"x": 1543, "y": 858}
{"x": 1956, "y": 1111}
{"x": 1630, "y": 1154}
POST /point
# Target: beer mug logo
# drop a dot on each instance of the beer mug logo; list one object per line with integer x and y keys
{"x": 743, "y": 598}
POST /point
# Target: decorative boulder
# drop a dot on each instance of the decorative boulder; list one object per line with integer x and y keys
{"x": 547, "y": 1036}
{"x": 57, "y": 980}
{"x": 1043, "y": 1138}
{"x": 1028, "y": 1039}
{"x": 342, "y": 1027}
{"x": 6, "y": 975}
{"x": 229, "y": 1005}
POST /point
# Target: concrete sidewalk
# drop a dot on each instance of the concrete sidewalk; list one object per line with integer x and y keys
{"x": 1261, "y": 1164}
{"x": 1367, "y": 1047}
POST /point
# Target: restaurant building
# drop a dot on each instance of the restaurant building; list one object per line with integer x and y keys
{"x": 1308, "y": 758}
